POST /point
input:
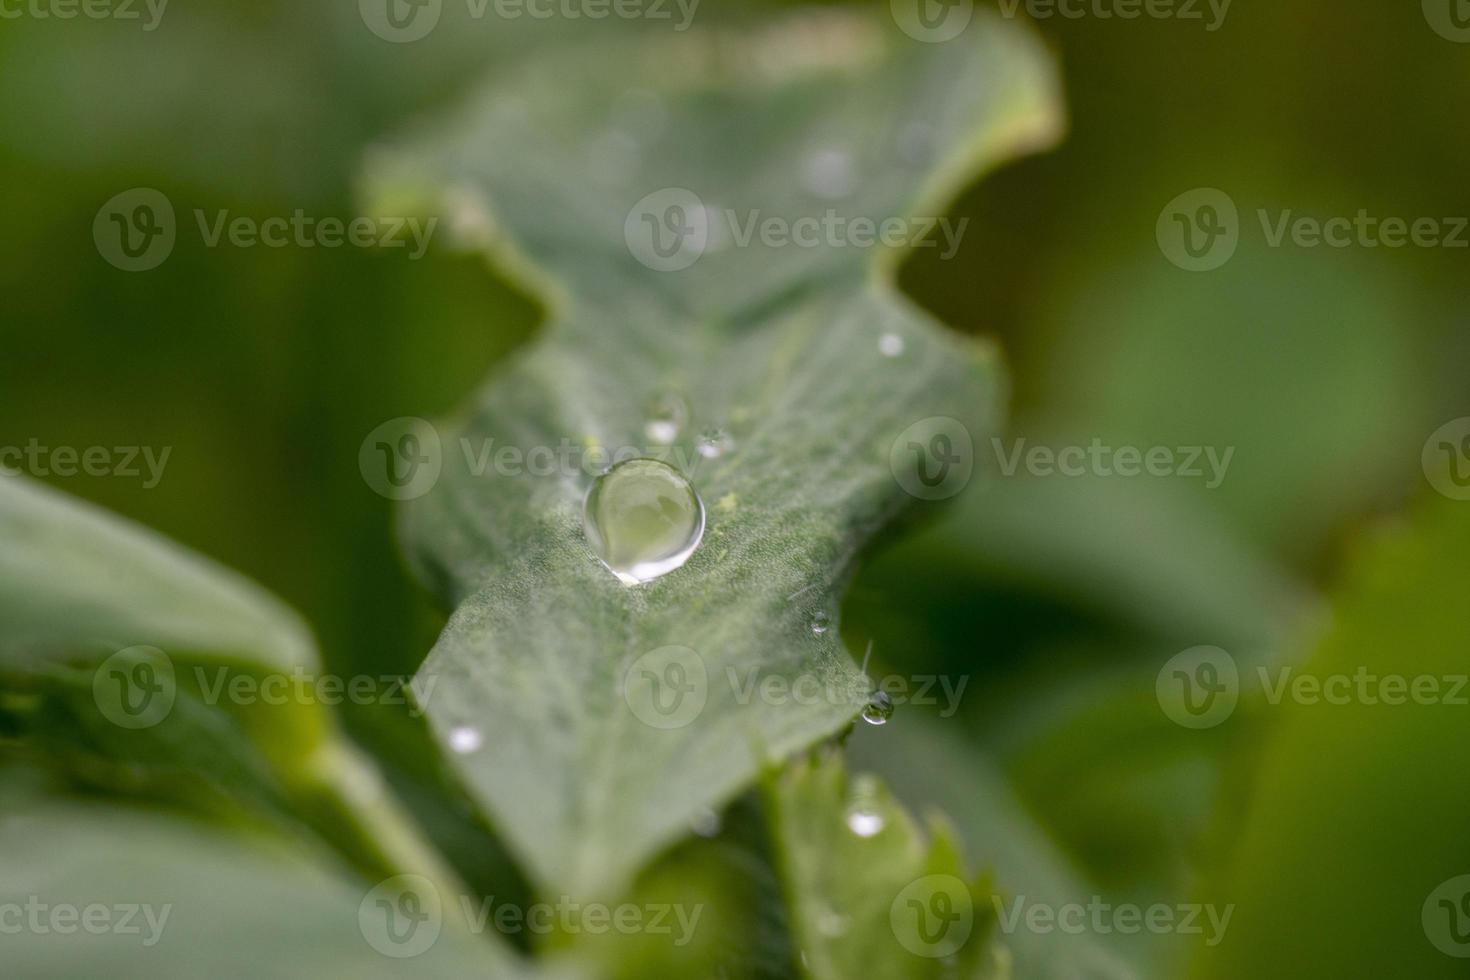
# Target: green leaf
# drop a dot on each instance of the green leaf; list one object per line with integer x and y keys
{"x": 779, "y": 347}
{"x": 104, "y": 889}
{"x": 1350, "y": 860}
{"x": 75, "y": 580}
{"x": 867, "y": 894}
{"x": 87, "y": 599}
{"x": 1129, "y": 554}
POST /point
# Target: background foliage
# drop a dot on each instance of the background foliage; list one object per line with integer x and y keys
{"x": 1325, "y": 368}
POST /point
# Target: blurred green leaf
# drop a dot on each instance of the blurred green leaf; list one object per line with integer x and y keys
{"x": 77, "y": 582}
{"x": 104, "y": 889}
{"x": 1354, "y": 818}
{"x": 105, "y": 634}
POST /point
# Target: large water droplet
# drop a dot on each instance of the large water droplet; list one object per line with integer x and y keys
{"x": 878, "y": 709}
{"x": 890, "y": 345}
{"x": 705, "y": 822}
{"x": 821, "y": 622}
{"x": 644, "y": 519}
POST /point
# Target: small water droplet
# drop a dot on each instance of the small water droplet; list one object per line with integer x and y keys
{"x": 878, "y": 709}
{"x": 832, "y": 924}
{"x": 864, "y": 821}
{"x": 890, "y": 345}
{"x": 704, "y": 822}
{"x": 464, "y": 739}
{"x": 714, "y": 443}
{"x": 830, "y": 173}
{"x": 644, "y": 519}
{"x": 667, "y": 416}
{"x": 821, "y": 622}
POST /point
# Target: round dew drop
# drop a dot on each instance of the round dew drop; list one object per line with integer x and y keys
{"x": 714, "y": 443}
{"x": 464, "y": 739}
{"x": 878, "y": 709}
{"x": 644, "y": 519}
{"x": 864, "y": 822}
